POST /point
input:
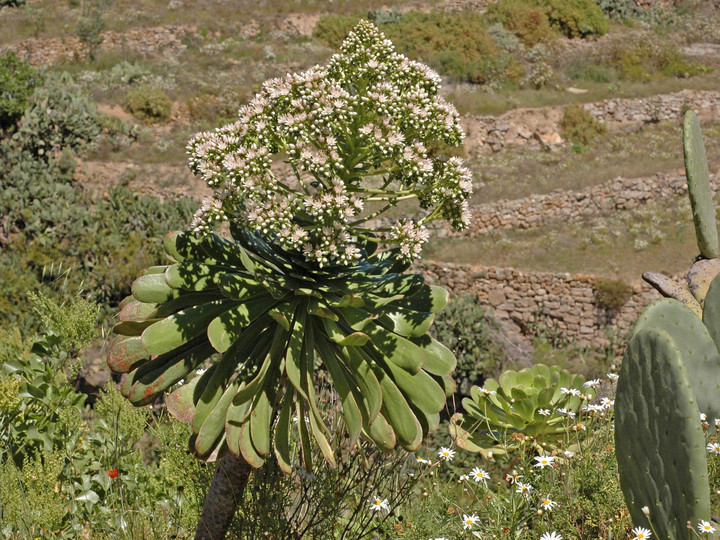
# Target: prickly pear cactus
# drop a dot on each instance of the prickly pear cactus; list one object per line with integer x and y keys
{"x": 698, "y": 181}
{"x": 660, "y": 445}
{"x": 698, "y": 350}
{"x": 670, "y": 374}
{"x": 707, "y": 265}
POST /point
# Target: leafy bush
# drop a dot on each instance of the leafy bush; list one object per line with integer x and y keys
{"x": 579, "y": 126}
{"x": 59, "y": 117}
{"x": 51, "y": 223}
{"x": 17, "y": 82}
{"x": 12, "y": 3}
{"x": 649, "y": 57}
{"x": 455, "y": 44}
{"x": 527, "y": 21}
{"x": 149, "y": 103}
{"x": 620, "y": 10}
{"x": 72, "y": 472}
{"x": 577, "y": 18}
{"x": 611, "y": 294}
{"x": 468, "y": 331}
{"x": 332, "y": 29}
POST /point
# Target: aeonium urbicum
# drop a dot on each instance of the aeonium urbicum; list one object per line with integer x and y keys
{"x": 301, "y": 287}
{"x": 315, "y": 157}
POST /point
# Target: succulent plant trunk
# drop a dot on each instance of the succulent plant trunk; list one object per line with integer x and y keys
{"x": 226, "y": 490}
{"x": 670, "y": 375}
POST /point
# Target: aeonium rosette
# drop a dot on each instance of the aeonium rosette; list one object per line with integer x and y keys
{"x": 315, "y": 157}
{"x": 247, "y": 323}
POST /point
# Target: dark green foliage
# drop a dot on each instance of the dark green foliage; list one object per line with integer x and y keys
{"x": 89, "y": 31}
{"x": 385, "y": 16}
{"x": 577, "y": 18}
{"x": 528, "y": 22}
{"x": 59, "y": 117}
{"x": 455, "y": 44}
{"x": 620, "y": 10}
{"x": 579, "y": 126}
{"x": 650, "y": 58}
{"x": 17, "y": 83}
{"x": 48, "y": 222}
{"x": 611, "y": 294}
{"x": 332, "y": 29}
{"x": 467, "y": 330}
{"x": 12, "y": 3}
{"x": 149, "y": 103}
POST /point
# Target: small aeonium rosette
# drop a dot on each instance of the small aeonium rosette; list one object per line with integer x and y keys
{"x": 316, "y": 157}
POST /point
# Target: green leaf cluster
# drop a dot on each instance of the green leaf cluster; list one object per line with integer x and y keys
{"x": 501, "y": 414}
{"x": 467, "y": 330}
{"x": 149, "y": 103}
{"x": 277, "y": 321}
{"x": 18, "y": 80}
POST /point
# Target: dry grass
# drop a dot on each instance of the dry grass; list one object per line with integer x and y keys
{"x": 520, "y": 172}
{"x": 658, "y": 237}
{"x": 54, "y": 18}
{"x": 473, "y": 99}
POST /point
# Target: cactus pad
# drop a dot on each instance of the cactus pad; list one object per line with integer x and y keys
{"x": 696, "y": 345}
{"x": 659, "y": 441}
{"x": 698, "y": 180}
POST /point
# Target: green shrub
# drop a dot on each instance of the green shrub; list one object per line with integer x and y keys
{"x": 58, "y": 117}
{"x": 528, "y": 22}
{"x": 620, "y": 10}
{"x": 586, "y": 70}
{"x": 577, "y": 18}
{"x": 12, "y": 3}
{"x": 579, "y": 126}
{"x": 332, "y": 29}
{"x": 468, "y": 331}
{"x": 648, "y": 58}
{"x": 455, "y": 44}
{"x": 17, "y": 83}
{"x": 149, "y": 103}
{"x": 611, "y": 294}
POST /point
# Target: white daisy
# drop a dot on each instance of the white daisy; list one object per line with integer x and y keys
{"x": 592, "y": 383}
{"x": 479, "y": 474}
{"x": 446, "y": 454}
{"x": 377, "y": 504}
{"x": 547, "y": 503}
{"x": 613, "y": 376}
{"x": 470, "y": 521}
{"x": 523, "y": 489}
{"x": 551, "y": 536}
{"x": 705, "y": 527}
{"x": 544, "y": 461}
{"x": 544, "y": 412}
{"x": 713, "y": 448}
{"x": 641, "y": 534}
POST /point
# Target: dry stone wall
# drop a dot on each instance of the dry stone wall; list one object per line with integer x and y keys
{"x": 161, "y": 39}
{"x": 572, "y": 206}
{"x": 561, "y": 302}
{"x": 540, "y": 127}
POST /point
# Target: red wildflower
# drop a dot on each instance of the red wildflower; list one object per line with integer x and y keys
{"x": 112, "y": 473}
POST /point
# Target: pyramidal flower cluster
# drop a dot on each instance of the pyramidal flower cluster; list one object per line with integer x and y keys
{"x": 315, "y": 157}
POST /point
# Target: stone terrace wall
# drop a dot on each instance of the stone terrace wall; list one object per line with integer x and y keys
{"x": 558, "y": 301}
{"x": 541, "y": 126}
{"x": 165, "y": 39}
{"x": 571, "y": 206}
